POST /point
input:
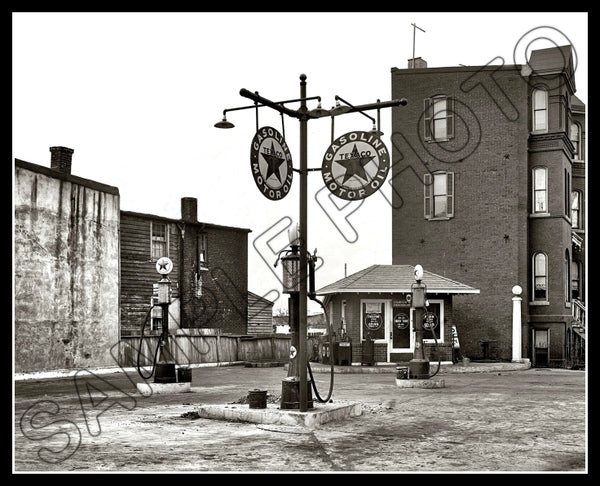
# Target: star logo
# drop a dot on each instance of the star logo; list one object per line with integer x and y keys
{"x": 164, "y": 265}
{"x": 271, "y": 163}
{"x": 355, "y": 165}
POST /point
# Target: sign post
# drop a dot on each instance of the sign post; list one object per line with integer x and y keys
{"x": 273, "y": 177}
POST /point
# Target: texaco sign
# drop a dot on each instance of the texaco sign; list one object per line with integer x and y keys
{"x": 271, "y": 163}
{"x": 355, "y": 165}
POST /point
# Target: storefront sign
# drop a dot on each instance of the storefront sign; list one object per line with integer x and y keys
{"x": 373, "y": 321}
{"x": 401, "y": 320}
{"x": 355, "y": 165}
{"x": 271, "y": 163}
{"x": 429, "y": 321}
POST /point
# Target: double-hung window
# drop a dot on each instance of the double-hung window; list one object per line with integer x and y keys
{"x": 540, "y": 190}
{"x": 575, "y": 136}
{"x": 576, "y": 210}
{"x": 439, "y": 195}
{"x": 540, "y": 110}
{"x": 439, "y": 119}
{"x": 540, "y": 277}
{"x": 159, "y": 242}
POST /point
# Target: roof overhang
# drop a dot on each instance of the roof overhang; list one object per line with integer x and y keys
{"x": 398, "y": 291}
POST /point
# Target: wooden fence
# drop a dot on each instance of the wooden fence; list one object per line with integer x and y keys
{"x": 198, "y": 346}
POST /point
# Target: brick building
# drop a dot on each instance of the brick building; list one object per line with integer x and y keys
{"x": 489, "y": 189}
{"x": 209, "y": 280}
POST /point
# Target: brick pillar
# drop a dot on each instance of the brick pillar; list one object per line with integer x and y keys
{"x": 60, "y": 159}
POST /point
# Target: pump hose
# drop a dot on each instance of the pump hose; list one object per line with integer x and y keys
{"x": 139, "y": 369}
{"x": 322, "y": 400}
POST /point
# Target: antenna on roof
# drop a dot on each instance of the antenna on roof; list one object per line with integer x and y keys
{"x": 415, "y": 27}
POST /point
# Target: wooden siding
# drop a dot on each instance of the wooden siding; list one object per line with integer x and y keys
{"x": 260, "y": 315}
{"x": 138, "y": 269}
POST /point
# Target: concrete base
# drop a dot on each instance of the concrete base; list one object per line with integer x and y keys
{"x": 414, "y": 383}
{"x": 148, "y": 389}
{"x": 272, "y": 414}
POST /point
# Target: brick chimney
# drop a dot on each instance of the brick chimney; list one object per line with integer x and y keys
{"x": 189, "y": 209}
{"x": 417, "y": 63}
{"x": 60, "y": 159}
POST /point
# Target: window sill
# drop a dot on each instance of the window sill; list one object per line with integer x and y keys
{"x": 440, "y": 218}
{"x": 539, "y": 215}
{"x": 539, "y": 302}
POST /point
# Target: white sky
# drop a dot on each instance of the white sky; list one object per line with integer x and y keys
{"x": 136, "y": 95}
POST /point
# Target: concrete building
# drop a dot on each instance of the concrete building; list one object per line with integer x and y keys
{"x": 489, "y": 189}
{"x": 66, "y": 267}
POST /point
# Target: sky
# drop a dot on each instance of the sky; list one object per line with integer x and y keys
{"x": 137, "y": 94}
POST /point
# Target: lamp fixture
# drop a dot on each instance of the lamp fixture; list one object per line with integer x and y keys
{"x": 319, "y": 112}
{"x": 339, "y": 109}
{"x": 224, "y": 123}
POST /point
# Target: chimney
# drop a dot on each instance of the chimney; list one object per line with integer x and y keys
{"x": 189, "y": 209}
{"x": 60, "y": 159}
{"x": 417, "y": 63}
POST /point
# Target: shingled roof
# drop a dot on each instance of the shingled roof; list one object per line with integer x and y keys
{"x": 394, "y": 278}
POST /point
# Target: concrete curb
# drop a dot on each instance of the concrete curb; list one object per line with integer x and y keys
{"x": 272, "y": 414}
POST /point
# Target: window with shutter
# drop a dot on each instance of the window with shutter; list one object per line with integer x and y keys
{"x": 438, "y": 119}
{"x": 438, "y": 192}
{"x": 427, "y": 195}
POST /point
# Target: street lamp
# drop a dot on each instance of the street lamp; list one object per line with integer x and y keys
{"x": 303, "y": 115}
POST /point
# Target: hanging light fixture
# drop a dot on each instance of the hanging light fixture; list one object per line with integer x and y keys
{"x": 318, "y": 111}
{"x": 224, "y": 123}
{"x": 339, "y": 109}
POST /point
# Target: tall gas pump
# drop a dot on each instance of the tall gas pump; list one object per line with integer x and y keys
{"x": 165, "y": 365}
{"x": 290, "y": 387}
{"x": 418, "y": 367}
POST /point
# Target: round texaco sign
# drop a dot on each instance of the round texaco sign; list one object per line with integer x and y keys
{"x": 271, "y": 163}
{"x": 355, "y": 165}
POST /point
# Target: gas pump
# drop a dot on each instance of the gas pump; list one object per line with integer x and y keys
{"x": 290, "y": 390}
{"x": 418, "y": 366}
{"x": 163, "y": 367}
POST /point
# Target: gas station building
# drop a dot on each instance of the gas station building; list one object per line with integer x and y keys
{"x": 373, "y": 318}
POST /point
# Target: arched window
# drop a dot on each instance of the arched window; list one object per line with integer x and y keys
{"x": 540, "y": 110}
{"x": 540, "y": 190}
{"x": 540, "y": 277}
{"x": 575, "y": 136}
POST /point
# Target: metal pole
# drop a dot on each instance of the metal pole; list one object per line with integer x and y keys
{"x": 303, "y": 248}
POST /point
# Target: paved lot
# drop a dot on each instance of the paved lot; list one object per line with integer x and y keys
{"x": 531, "y": 420}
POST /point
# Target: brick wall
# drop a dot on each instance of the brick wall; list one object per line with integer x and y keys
{"x": 485, "y": 244}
